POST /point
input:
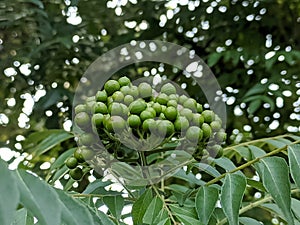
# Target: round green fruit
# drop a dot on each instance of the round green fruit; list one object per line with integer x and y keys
{"x": 76, "y": 173}
{"x": 137, "y": 106}
{"x": 134, "y": 121}
{"x": 208, "y": 115}
{"x": 215, "y": 125}
{"x": 78, "y": 155}
{"x": 71, "y": 163}
{"x": 145, "y": 90}
{"x": 80, "y": 108}
{"x": 171, "y": 113}
{"x": 128, "y": 99}
{"x": 87, "y": 139}
{"x": 87, "y": 153}
{"x": 198, "y": 119}
{"x": 146, "y": 115}
{"x": 190, "y": 104}
{"x": 118, "y": 123}
{"x": 194, "y": 134}
{"x": 149, "y": 125}
{"x": 162, "y": 99}
{"x": 123, "y": 81}
{"x": 165, "y": 128}
{"x": 97, "y": 119}
{"x": 118, "y": 96}
{"x": 207, "y": 131}
{"x": 134, "y": 91}
{"x": 82, "y": 119}
{"x": 157, "y": 107}
{"x": 111, "y": 86}
{"x": 181, "y": 124}
{"x": 172, "y": 102}
{"x": 101, "y": 96}
{"x": 100, "y": 107}
{"x": 187, "y": 113}
{"x": 182, "y": 99}
{"x": 168, "y": 89}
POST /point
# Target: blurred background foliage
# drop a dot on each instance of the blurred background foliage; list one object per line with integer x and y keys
{"x": 253, "y": 48}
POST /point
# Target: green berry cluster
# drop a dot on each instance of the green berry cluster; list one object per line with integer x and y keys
{"x": 123, "y": 108}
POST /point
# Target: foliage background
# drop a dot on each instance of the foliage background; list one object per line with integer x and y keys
{"x": 45, "y": 46}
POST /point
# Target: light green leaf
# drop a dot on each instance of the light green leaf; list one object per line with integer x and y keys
{"x": 140, "y": 206}
{"x": 39, "y": 198}
{"x": 53, "y": 139}
{"x": 249, "y": 221}
{"x": 115, "y": 205}
{"x": 22, "y": 218}
{"x": 205, "y": 201}
{"x": 74, "y": 211}
{"x": 153, "y": 210}
{"x": 9, "y": 194}
{"x": 231, "y": 196}
{"x": 276, "y": 181}
{"x": 296, "y": 208}
{"x": 294, "y": 161}
{"x": 276, "y": 143}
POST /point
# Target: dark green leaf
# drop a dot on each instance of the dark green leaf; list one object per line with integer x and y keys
{"x": 249, "y": 221}
{"x": 231, "y": 196}
{"x": 39, "y": 198}
{"x": 140, "y": 206}
{"x": 276, "y": 181}
{"x": 115, "y": 205}
{"x": 74, "y": 211}
{"x": 206, "y": 199}
{"x": 53, "y": 139}
{"x": 9, "y": 194}
{"x": 294, "y": 161}
{"x": 153, "y": 211}
{"x": 187, "y": 215}
{"x": 23, "y": 218}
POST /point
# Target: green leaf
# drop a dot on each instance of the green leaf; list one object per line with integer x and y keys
{"x": 162, "y": 217}
{"x": 9, "y": 194}
{"x": 294, "y": 161}
{"x": 276, "y": 181}
{"x": 254, "y": 106}
{"x": 74, "y": 211}
{"x": 208, "y": 169}
{"x": 256, "y": 89}
{"x": 249, "y": 221}
{"x": 227, "y": 164}
{"x": 140, "y": 206}
{"x": 276, "y": 143}
{"x": 180, "y": 192}
{"x": 185, "y": 214}
{"x": 206, "y": 199}
{"x": 53, "y": 139}
{"x": 190, "y": 177}
{"x": 256, "y": 184}
{"x": 103, "y": 218}
{"x": 153, "y": 210}
{"x": 39, "y": 198}
{"x": 231, "y": 196}
{"x": 296, "y": 208}
{"x": 115, "y": 205}
{"x": 97, "y": 187}
{"x": 22, "y": 218}
{"x": 213, "y": 58}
